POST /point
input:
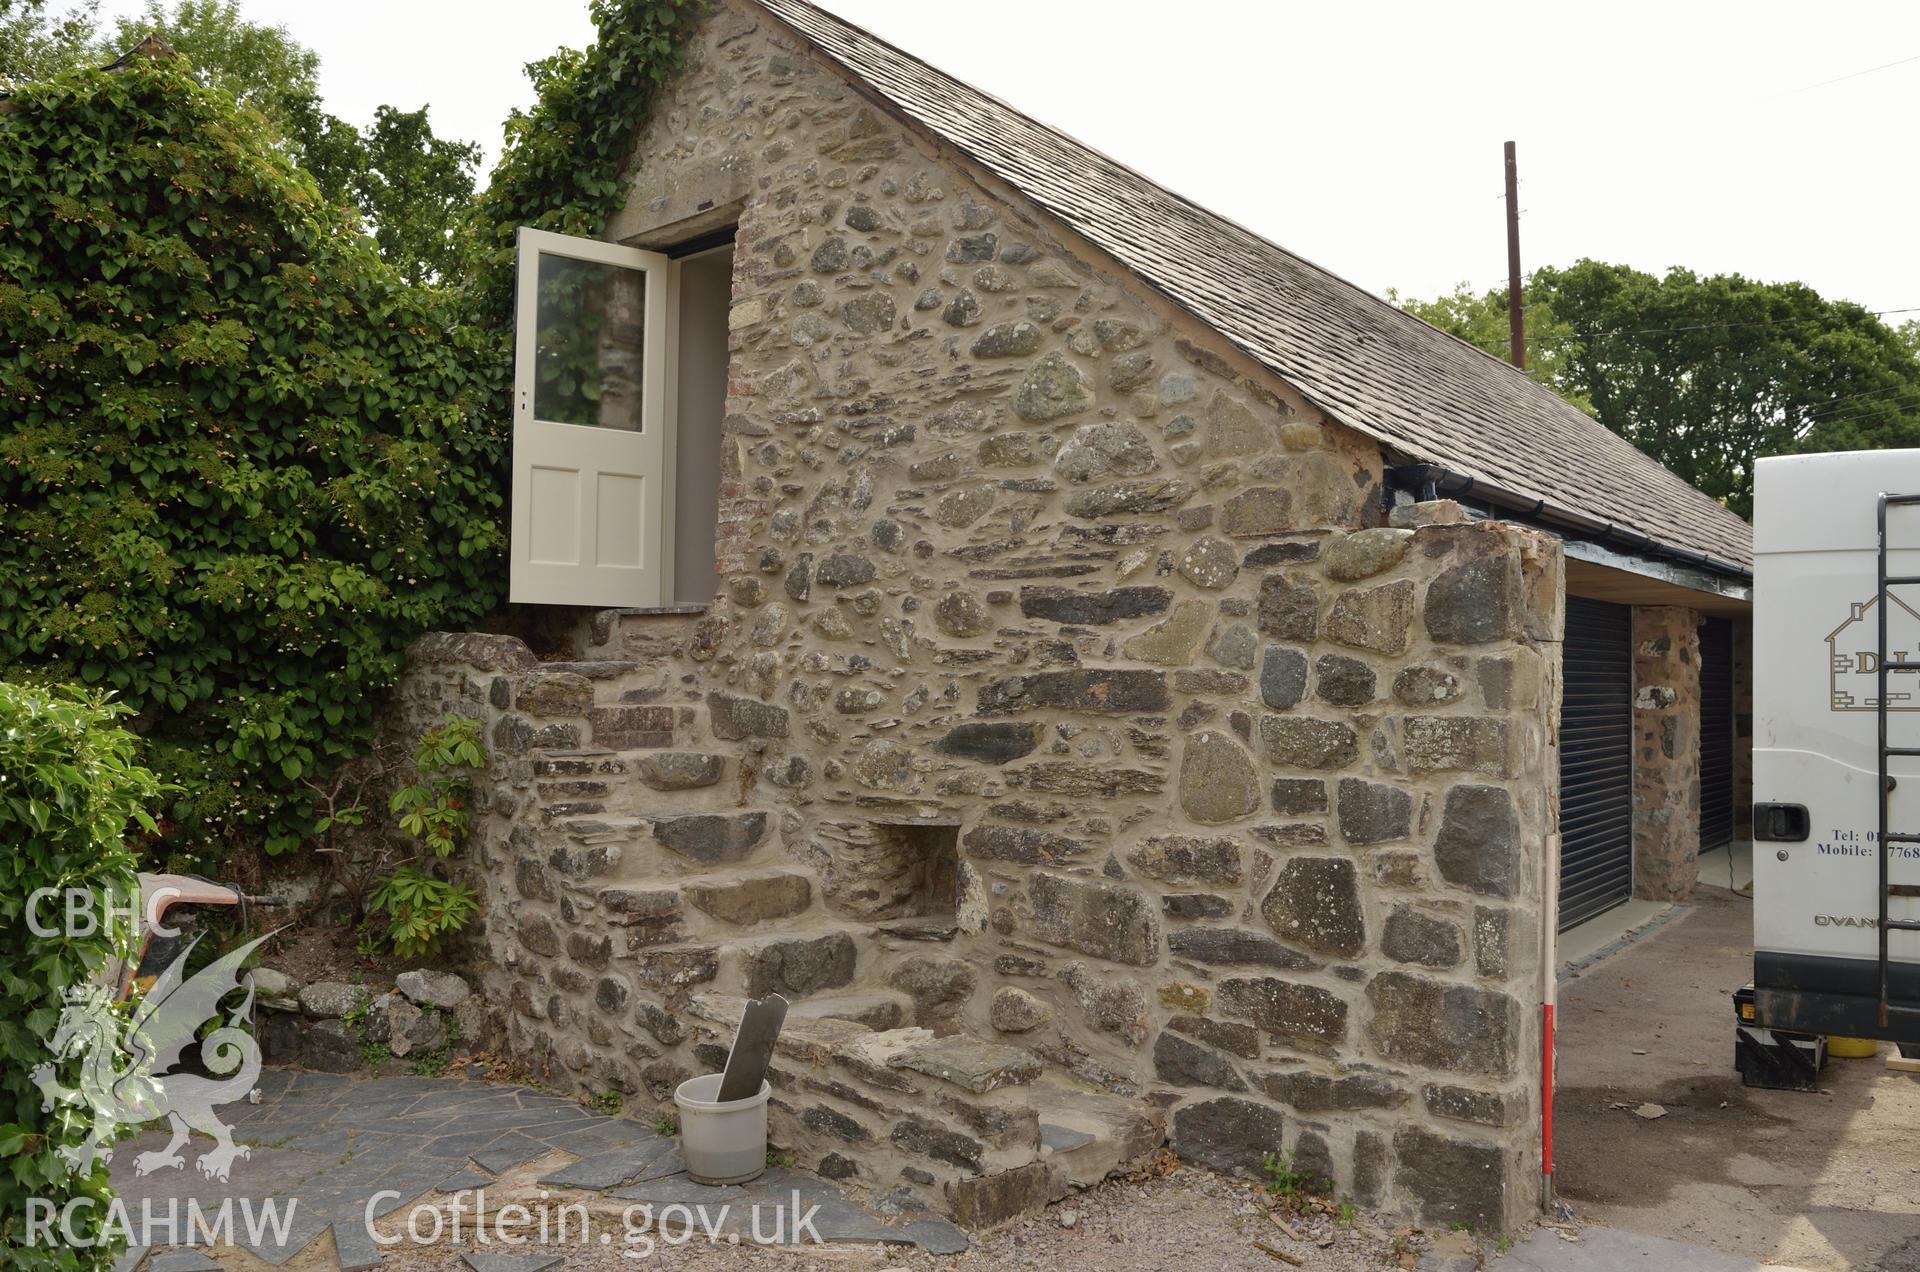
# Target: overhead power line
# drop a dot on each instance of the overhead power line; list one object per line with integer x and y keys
{"x": 1715, "y": 326}
{"x": 1884, "y": 66}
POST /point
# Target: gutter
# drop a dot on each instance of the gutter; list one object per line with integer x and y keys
{"x": 1432, "y": 481}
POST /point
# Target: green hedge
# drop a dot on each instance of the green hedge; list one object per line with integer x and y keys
{"x": 68, "y": 791}
{"x": 242, "y": 463}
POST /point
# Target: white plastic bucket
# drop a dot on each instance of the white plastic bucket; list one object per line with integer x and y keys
{"x": 722, "y": 1143}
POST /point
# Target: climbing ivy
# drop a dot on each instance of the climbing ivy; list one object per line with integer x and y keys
{"x": 562, "y": 165}
{"x": 242, "y": 465}
{"x": 243, "y": 462}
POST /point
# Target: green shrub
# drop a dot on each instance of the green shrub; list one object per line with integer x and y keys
{"x": 241, "y": 465}
{"x": 68, "y": 791}
{"x": 560, "y": 168}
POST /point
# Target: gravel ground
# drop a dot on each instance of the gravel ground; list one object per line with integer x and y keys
{"x": 1188, "y": 1219}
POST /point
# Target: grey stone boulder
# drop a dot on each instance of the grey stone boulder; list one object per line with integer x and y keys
{"x": 403, "y": 1027}
{"x": 328, "y": 1046}
{"x": 1112, "y": 1004}
{"x": 330, "y": 1000}
{"x": 433, "y": 989}
{"x": 1289, "y": 608}
{"x": 1140, "y": 495}
{"x": 1373, "y": 618}
{"x": 1214, "y": 945}
{"x": 1095, "y": 450}
{"x": 939, "y": 987}
{"x": 969, "y": 1063}
{"x": 277, "y": 988}
{"x": 1092, "y": 609}
{"x": 1304, "y": 742}
{"x": 1344, "y": 681}
{"x": 1209, "y": 562}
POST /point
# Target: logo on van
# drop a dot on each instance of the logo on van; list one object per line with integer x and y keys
{"x": 1853, "y": 657}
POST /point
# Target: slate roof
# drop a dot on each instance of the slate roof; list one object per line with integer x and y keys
{"x": 1361, "y": 360}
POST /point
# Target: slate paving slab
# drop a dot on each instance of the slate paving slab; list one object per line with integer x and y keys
{"x": 509, "y": 1262}
{"x": 465, "y": 1181}
{"x": 935, "y": 1236}
{"x": 354, "y": 1247}
{"x": 616, "y": 1166}
{"x": 182, "y": 1261}
{"x": 321, "y": 1146}
{"x": 680, "y": 1190}
{"x": 511, "y": 1149}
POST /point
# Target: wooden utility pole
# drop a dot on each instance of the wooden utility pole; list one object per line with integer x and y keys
{"x": 1516, "y": 323}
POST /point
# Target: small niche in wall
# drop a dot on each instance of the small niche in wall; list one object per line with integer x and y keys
{"x": 904, "y": 876}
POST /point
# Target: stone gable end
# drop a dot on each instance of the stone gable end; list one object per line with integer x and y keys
{"x": 1070, "y": 739}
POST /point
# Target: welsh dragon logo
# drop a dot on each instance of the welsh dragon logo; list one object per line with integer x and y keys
{"x": 133, "y": 1073}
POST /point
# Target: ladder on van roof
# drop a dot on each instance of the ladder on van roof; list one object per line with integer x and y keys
{"x": 1888, "y": 837}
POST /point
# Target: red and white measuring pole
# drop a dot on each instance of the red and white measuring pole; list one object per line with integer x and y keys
{"x": 1549, "y": 986}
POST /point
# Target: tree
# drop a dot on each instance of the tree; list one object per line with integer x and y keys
{"x": 261, "y": 67}
{"x": 1480, "y": 319}
{"x": 1706, "y": 373}
{"x": 244, "y": 463}
{"x": 413, "y": 186}
{"x": 409, "y": 185}
{"x": 36, "y": 43}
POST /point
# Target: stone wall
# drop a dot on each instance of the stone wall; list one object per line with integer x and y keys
{"x": 1070, "y": 738}
{"x": 1666, "y": 752}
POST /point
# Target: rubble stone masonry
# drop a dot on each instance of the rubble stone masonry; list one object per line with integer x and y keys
{"x": 1073, "y": 739}
{"x": 1666, "y": 752}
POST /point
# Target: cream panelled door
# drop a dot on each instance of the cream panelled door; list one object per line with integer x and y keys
{"x": 589, "y": 423}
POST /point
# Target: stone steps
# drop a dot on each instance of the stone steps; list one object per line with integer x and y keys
{"x": 982, "y": 1130}
{"x": 683, "y": 840}
{"x": 1087, "y": 1136}
{"x": 881, "y": 1009}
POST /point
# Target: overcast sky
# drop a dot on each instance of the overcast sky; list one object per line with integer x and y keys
{"x": 1364, "y": 136}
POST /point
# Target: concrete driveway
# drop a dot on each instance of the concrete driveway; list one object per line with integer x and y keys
{"x": 1819, "y": 1181}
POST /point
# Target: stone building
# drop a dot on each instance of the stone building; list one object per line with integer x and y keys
{"x": 1105, "y": 669}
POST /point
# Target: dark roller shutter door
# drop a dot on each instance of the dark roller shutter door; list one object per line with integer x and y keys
{"x": 1716, "y": 733}
{"x": 1596, "y": 760}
